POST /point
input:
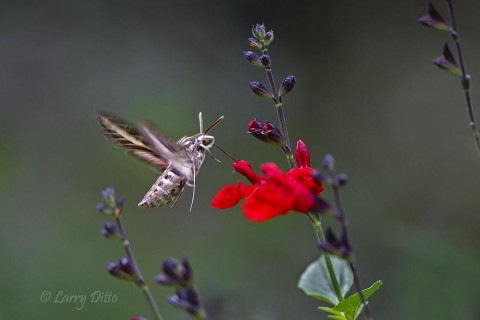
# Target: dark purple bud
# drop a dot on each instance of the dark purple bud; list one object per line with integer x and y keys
{"x": 342, "y": 179}
{"x": 329, "y": 162}
{"x": 265, "y": 60}
{"x": 125, "y": 265}
{"x": 268, "y": 37}
{"x": 114, "y": 269}
{"x": 260, "y": 90}
{"x": 172, "y": 273}
{"x": 433, "y": 19}
{"x": 108, "y": 193}
{"x": 252, "y": 58}
{"x": 101, "y": 207}
{"x": 447, "y": 62}
{"x": 335, "y": 246}
{"x": 254, "y": 43}
{"x": 110, "y": 230}
{"x": 187, "y": 299}
{"x": 266, "y": 132}
{"x": 258, "y": 31}
{"x": 322, "y": 206}
{"x": 287, "y": 85}
{"x": 318, "y": 176}
{"x": 186, "y": 271}
{"x": 120, "y": 201}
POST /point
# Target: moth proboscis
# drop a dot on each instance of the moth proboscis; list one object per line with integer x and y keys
{"x": 178, "y": 161}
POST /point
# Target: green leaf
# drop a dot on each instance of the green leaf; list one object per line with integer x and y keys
{"x": 315, "y": 281}
{"x": 352, "y": 306}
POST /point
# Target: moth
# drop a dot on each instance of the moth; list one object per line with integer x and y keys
{"x": 178, "y": 161}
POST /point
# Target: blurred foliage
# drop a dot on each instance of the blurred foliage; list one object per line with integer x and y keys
{"x": 366, "y": 92}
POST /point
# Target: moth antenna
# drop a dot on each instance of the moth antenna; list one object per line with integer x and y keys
{"x": 213, "y": 124}
{"x": 200, "y": 121}
{"x": 224, "y": 152}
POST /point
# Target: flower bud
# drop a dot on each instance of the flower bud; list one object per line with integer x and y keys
{"x": 258, "y": 31}
{"x": 254, "y": 43}
{"x": 287, "y": 85}
{"x": 342, "y": 179}
{"x": 175, "y": 273}
{"x": 110, "y": 230}
{"x": 252, "y": 58}
{"x": 333, "y": 245}
{"x": 268, "y": 37}
{"x": 125, "y": 265}
{"x": 447, "y": 62}
{"x": 260, "y": 90}
{"x": 433, "y": 19}
{"x": 265, "y": 60}
{"x": 329, "y": 162}
{"x": 266, "y": 132}
{"x": 187, "y": 299}
{"x": 302, "y": 156}
{"x": 115, "y": 270}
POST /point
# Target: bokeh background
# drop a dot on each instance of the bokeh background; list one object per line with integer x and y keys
{"x": 366, "y": 92}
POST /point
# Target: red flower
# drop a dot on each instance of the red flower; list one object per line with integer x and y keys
{"x": 274, "y": 194}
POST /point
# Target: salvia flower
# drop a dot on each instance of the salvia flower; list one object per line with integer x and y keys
{"x": 275, "y": 193}
{"x": 287, "y": 85}
{"x": 433, "y": 19}
{"x": 260, "y": 90}
{"x": 252, "y": 58}
{"x": 447, "y": 62}
{"x": 266, "y": 132}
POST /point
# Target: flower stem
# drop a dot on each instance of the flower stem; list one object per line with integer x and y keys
{"x": 465, "y": 78}
{"x": 342, "y": 217}
{"x": 358, "y": 286}
{"x": 289, "y": 155}
{"x": 278, "y": 107}
{"x": 139, "y": 279}
{"x": 317, "y": 226}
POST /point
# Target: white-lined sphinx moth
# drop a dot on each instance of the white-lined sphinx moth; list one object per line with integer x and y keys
{"x": 180, "y": 161}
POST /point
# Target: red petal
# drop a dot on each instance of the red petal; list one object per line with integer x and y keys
{"x": 271, "y": 170}
{"x": 304, "y": 177}
{"x": 301, "y": 155}
{"x": 244, "y": 168}
{"x": 270, "y": 200}
{"x": 229, "y": 196}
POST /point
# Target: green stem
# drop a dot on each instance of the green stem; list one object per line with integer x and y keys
{"x": 317, "y": 226}
{"x": 289, "y": 155}
{"x": 139, "y": 278}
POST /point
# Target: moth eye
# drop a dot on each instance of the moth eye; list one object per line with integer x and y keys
{"x": 207, "y": 141}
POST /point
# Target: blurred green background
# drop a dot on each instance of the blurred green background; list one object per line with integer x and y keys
{"x": 366, "y": 92}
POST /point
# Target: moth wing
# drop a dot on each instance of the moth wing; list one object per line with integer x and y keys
{"x": 167, "y": 149}
{"x": 125, "y": 135}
